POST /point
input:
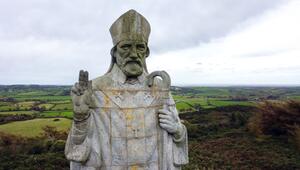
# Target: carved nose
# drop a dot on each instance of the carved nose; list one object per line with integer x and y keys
{"x": 133, "y": 55}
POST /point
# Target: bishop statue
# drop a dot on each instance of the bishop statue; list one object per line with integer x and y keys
{"x": 126, "y": 119}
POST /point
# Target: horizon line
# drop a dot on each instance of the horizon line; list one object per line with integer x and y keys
{"x": 180, "y": 85}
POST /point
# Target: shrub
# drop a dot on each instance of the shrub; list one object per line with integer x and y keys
{"x": 275, "y": 118}
{"x": 46, "y": 152}
{"x": 52, "y": 133}
{"x": 296, "y": 135}
{"x": 238, "y": 119}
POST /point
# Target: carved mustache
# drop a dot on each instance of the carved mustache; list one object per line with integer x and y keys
{"x": 133, "y": 61}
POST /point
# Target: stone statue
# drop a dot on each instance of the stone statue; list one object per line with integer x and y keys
{"x": 126, "y": 119}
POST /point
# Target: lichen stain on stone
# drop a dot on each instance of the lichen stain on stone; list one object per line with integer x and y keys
{"x": 134, "y": 167}
{"x": 128, "y": 114}
{"x": 154, "y": 91}
{"x": 105, "y": 110}
{"x": 106, "y": 101}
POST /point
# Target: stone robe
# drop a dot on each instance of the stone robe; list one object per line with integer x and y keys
{"x": 122, "y": 132}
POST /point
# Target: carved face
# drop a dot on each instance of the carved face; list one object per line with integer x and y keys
{"x": 130, "y": 57}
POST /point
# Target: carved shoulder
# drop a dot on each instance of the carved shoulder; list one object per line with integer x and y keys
{"x": 101, "y": 82}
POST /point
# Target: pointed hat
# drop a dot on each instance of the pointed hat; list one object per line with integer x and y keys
{"x": 130, "y": 26}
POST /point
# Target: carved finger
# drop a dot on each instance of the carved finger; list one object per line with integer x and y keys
{"x": 75, "y": 90}
{"x": 85, "y": 79}
{"x": 165, "y": 121}
{"x": 76, "y": 99}
{"x": 86, "y": 76}
{"x": 165, "y": 126}
{"x": 81, "y": 78}
{"x": 164, "y": 111}
{"x": 162, "y": 116}
{"x": 79, "y": 88}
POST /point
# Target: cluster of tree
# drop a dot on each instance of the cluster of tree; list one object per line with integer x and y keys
{"x": 11, "y": 90}
{"x": 6, "y": 118}
{"x": 238, "y": 98}
{"x": 277, "y": 119}
{"x": 204, "y": 122}
{"x": 43, "y": 152}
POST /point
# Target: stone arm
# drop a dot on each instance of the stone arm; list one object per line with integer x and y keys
{"x": 180, "y": 139}
{"x": 81, "y": 94}
{"x": 170, "y": 121}
{"x": 82, "y": 146}
{"x": 79, "y": 147}
{"x": 78, "y": 143}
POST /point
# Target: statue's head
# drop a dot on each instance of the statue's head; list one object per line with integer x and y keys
{"x": 130, "y": 34}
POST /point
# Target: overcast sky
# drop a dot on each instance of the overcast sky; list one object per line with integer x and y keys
{"x": 198, "y": 42}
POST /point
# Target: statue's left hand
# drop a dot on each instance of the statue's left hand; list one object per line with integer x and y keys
{"x": 169, "y": 122}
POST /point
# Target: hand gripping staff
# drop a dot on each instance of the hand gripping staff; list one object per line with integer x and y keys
{"x": 166, "y": 83}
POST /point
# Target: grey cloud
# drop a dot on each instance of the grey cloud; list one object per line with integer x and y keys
{"x": 267, "y": 52}
{"x": 175, "y": 24}
{"x": 50, "y": 40}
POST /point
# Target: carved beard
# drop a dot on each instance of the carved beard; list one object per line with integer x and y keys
{"x": 132, "y": 68}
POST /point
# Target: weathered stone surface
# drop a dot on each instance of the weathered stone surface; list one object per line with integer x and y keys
{"x": 126, "y": 119}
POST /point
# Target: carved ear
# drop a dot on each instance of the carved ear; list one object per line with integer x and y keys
{"x": 147, "y": 52}
{"x": 112, "y": 51}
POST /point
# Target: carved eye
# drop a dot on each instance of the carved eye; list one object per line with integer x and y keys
{"x": 141, "y": 47}
{"x": 126, "y": 46}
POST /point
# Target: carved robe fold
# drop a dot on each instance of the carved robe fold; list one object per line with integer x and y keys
{"x": 122, "y": 132}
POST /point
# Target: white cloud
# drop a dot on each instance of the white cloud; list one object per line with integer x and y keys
{"x": 49, "y": 41}
{"x": 263, "y": 50}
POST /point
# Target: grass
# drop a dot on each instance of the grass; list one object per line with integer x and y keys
{"x": 46, "y": 105}
{"x": 3, "y": 104}
{"x": 228, "y": 103}
{"x": 211, "y": 91}
{"x": 65, "y": 106}
{"x": 239, "y": 150}
{"x": 60, "y": 101}
{"x": 26, "y": 104}
{"x": 33, "y": 93}
{"x": 7, "y": 108}
{"x": 186, "y": 103}
{"x": 32, "y": 128}
{"x": 294, "y": 97}
{"x": 67, "y": 114}
{"x": 44, "y": 98}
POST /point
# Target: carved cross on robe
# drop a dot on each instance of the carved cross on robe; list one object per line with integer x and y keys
{"x": 135, "y": 132}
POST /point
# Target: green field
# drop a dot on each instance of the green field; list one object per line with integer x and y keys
{"x": 46, "y": 106}
{"x": 55, "y": 101}
{"x": 63, "y": 106}
{"x": 61, "y": 101}
{"x": 67, "y": 114}
{"x": 7, "y": 107}
{"x": 31, "y": 128}
{"x": 33, "y": 93}
{"x": 184, "y": 103}
{"x": 216, "y": 119}
{"x": 43, "y": 98}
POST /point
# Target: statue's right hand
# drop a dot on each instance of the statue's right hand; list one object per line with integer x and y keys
{"x": 81, "y": 94}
